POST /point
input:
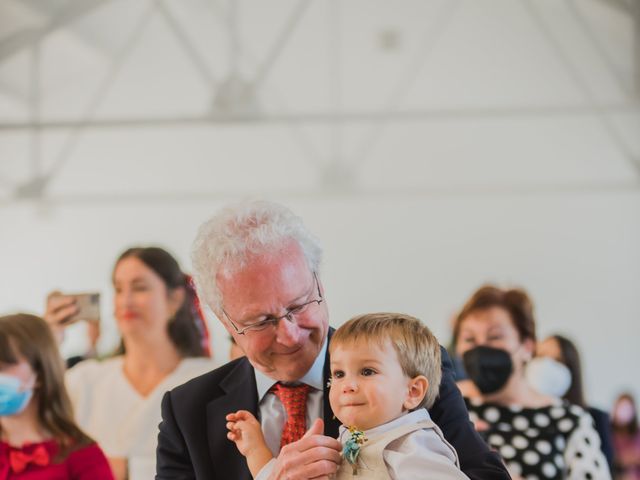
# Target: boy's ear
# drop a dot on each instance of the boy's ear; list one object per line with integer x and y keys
{"x": 417, "y": 390}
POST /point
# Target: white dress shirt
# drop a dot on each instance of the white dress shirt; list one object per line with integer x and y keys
{"x": 271, "y": 412}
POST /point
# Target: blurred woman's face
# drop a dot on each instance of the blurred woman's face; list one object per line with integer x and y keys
{"x": 624, "y": 412}
{"x": 143, "y": 305}
{"x": 22, "y": 371}
{"x": 17, "y": 384}
{"x": 493, "y": 327}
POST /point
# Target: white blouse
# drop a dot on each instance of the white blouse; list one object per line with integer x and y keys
{"x": 112, "y": 412}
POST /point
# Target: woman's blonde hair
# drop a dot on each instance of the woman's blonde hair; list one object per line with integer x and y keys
{"x": 417, "y": 348}
{"x": 27, "y": 337}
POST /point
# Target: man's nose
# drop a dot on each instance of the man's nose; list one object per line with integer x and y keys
{"x": 288, "y": 333}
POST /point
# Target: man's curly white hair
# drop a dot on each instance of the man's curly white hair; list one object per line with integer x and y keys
{"x": 233, "y": 235}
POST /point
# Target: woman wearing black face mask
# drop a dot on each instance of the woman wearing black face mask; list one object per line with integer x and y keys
{"x": 538, "y": 436}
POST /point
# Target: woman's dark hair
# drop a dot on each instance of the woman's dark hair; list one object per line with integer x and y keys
{"x": 515, "y": 301}
{"x": 186, "y": 328}
{"x": 630, "y": 428}
{"x": 29, "y": 338}
{"x": 570, "y": 356}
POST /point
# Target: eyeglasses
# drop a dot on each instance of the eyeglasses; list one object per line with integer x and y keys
{"x": 272, "y": 321}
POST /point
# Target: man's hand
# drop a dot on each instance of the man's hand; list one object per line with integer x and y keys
{"x": 314, "y": 456}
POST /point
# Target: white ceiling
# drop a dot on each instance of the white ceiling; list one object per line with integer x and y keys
{"x": 112, "y": 99}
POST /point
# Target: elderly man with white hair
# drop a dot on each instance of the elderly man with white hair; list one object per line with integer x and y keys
{"x": 257, "y": 267}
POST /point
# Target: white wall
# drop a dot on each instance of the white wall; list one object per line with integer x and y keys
{"x": 576, "y": 253}
{"x": 509, "y": 157}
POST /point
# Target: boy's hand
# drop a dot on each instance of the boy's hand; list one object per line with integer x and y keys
{"x": 245, "y": 432}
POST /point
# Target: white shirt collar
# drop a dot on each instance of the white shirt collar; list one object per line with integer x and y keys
{"x": 314, "y": 377}
{"x": 408, "y": 418}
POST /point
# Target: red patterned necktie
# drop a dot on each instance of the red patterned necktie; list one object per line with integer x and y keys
{"x": 294, "y": 401}
{"x": 19, "y": 459}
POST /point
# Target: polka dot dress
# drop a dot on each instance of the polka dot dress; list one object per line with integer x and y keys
{"x": 555, "y": 442}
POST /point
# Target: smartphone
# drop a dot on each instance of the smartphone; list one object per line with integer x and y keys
{"x": 88, "y": 307}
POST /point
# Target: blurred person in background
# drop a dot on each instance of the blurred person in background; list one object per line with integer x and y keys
{"x": 117, "y": 400}
{"x": 538, "y": 436}
{"x": 458, "y": 366}
{"x": 557, "y": 370}
{"x": 626, "y": 438}
{"x": 39, "y": 439}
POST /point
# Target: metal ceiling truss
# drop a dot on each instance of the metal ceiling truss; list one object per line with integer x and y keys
{"x": 636, "y": 45}
{"x": 624, "y": 6}
{"x": 377, "y": 193}
{"x": 624, "y": 84}
{"x": 72, "y": 11}
{"x": 326, "y": 118}
{"x": 235, "y": 98}
{"x": 208, "y": 77}
{"x": 605, "y": 120}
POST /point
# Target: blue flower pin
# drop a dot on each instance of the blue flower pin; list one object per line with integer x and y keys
{"x": 351, "y": 449}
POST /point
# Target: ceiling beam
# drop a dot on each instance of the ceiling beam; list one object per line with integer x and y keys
{"x": 71, "y": 12}
{"x": 279, "y": 44}
{"x": 606, "y": 121}
{"x": 636, "y": 48}
{"x": 624, "y": 6}
{"x": 186, "y": 44}
{"x": 453, "y": 114}
{"x": 601, "y": 50}
{"x": 163, "y": 197}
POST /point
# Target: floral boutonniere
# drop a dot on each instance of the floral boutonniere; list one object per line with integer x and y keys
{"x": 351, "y": 449}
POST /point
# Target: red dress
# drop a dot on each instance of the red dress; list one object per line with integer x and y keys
{"x": 36, "y": 461}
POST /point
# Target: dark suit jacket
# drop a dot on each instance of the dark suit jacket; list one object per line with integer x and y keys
{"x": 193, "y": 444}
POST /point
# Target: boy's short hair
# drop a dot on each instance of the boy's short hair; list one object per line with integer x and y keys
{"x": 417, "y": 348}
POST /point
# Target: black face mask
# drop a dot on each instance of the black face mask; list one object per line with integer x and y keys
{"x": 489, "y": 368}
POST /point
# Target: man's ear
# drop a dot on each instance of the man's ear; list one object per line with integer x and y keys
{"x": 416, "y": 391}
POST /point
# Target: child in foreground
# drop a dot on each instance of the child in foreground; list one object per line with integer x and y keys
{"x": 385, "y": 373}
{"x": 38, "y": 437}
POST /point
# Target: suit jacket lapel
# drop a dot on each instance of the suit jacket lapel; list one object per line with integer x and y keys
{"x": 241, "y": 393}
{"x": 331, "y": 423}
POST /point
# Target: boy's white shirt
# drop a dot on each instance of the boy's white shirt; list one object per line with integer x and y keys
{"x": 411, "y": 455}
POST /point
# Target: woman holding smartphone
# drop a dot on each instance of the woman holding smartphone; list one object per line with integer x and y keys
{"x": 117, "y": 401}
